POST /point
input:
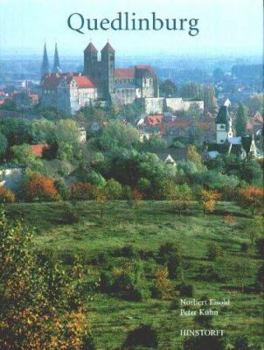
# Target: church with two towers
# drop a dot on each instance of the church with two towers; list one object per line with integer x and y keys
{"x": 100, "y": 81}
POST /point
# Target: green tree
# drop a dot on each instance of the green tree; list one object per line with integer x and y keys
{"x": 194, "y": 156}
{"x": 118, "y": 135}
{"x": 113, "y": 189}
{"x": 168, "y": 88}
{"x": 3, "y": 144}
{"x": 209, "y": 99}
{"x": 68, "y": 139}
{"x": 23, "y": 155}
{"x": 241, "y": 120}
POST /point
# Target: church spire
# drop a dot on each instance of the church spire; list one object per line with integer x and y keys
{"x": 56, "y": 64}
{"x": 45, "y": 62}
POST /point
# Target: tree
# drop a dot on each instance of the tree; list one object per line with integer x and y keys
{"x": 113, "y": 189}
{"x": 252, "y": 198}
{"x": 23, "y": 155}
{"x": 218, "y": 74}
{"x": 16, "y": 130}
{"x": 210, "y": 103}
{"x": 209, "y": 200}
{"x": 182, "y": 197}
{"x": 3, "y": 145}
{"x": 40, "y": 304}
{"x": 118, "y": 135}
{"x": 6, "y": 195}
{"x": 83, "y": 191}
{"x": 192, "y": 90}
{"x": 163, "y": 287}
{"x": 43, "y": 131}
{"x": 168, "y": 88}
{"x": 241, "y": 120}
{"x": 194, "y": 157}
{"x": 68, "y": 139}
{"x": 39, "y": 187}
{"x": 260, "y": 278}
{"x": 202, "y": 343}
{"x": 143, "y": 336}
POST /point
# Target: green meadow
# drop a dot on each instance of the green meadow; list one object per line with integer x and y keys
{"x": 95, "y": 235}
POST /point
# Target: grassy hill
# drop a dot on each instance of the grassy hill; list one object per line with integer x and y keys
{"x": 97, "y": 234}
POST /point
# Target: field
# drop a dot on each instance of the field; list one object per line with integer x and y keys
{"x": 106, "y": 228}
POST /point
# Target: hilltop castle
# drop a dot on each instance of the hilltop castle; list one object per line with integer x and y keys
{"x": 99, "y": 81}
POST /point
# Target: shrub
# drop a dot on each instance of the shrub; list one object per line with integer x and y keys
{"x": 113, "y": 189}
{"x": 83, "y": 191}
{"x": 214, "y": 250}
{"x": 202, "y": 343}
{"x": 6, "y": 195}
{"x": 127, "y": 251}
{"x": 162, "y": 288}
{"x": 39, "y": 187}
{"x": 186, "y": 290}
{"x": 241, "y": 343}
{"x": 260, "y": 278}
{"x": 244, "y": 247}
{"x": 125, "y": 282}
{"x": 144, "y": 336}
{"x": 106, "y": 282}
{"x": 208, "y": 273}
{"x": 260, "y": 247}
{"x": 63, "y": 190}
{"x": 166, "y": 250}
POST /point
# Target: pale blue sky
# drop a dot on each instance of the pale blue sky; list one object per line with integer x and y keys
{"x": 226, "y": 26}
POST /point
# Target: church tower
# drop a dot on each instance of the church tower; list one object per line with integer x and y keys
{"x": 90, "y": 61}
{"x": 56, "y": 64}
{"x": 108, "y": 68}
{"x": 45, "y": 62}
{"x": 223, "y": 126}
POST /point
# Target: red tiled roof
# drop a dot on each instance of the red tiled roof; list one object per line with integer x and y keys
{"x": 204, "y": 125}
{"x": 145, "y": 67}
{"x": 154, "y": 119}
{"x": 123, "y": 73}
{"x": 180, "y": 123}
{"x": 39, "y": 149}
{"x": 51, "y": 81}
{"x": 83, "y": 82}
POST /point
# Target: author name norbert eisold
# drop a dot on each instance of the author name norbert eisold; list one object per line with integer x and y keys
{"x": 201, "y": 332}
{"x": 206, "y": 302}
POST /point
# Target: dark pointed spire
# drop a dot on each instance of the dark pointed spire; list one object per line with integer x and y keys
{"x": 108, "y": 48}
{"x": 91, "y": 48}
{"x": 45, "y": 62}
{"x": 56, "y": 64}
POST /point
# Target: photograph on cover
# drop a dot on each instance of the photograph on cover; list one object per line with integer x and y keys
{"x": 131, "y": 175}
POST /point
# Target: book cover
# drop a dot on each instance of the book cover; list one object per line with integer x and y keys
{"x": 131, "y": 175}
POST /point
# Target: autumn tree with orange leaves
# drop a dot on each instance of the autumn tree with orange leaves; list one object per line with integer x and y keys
{"x": 251, "y": 198}
{"x": 40, "y": 307}
{"x": 209, "y": 200}
{"x": 40, "y": 187}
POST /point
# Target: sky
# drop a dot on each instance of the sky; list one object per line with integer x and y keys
{"x": 226, "y": 27}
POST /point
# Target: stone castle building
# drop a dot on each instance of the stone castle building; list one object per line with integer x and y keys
{"x": 99, "y": 81}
